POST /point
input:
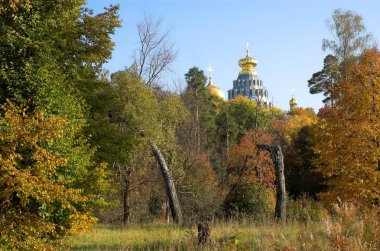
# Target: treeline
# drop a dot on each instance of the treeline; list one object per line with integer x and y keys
{"x": 80, "y": 145}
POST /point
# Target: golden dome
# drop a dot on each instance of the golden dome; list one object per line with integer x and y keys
{"x": 247, "y": 64}
{"x": 293, "y": 102}
{"x": 215, "y": 91}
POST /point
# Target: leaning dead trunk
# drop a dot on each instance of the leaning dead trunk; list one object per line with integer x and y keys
{"x": 169, "y": 183}
{"x": 278, "y": 161}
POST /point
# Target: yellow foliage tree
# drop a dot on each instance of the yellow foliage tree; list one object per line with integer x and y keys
{"x": 31, "y": 187}
{"x": 299, "y": 118}
{"x": 348, "y": 140}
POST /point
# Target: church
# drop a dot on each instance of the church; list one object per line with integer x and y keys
{"x": 247, "y": 84}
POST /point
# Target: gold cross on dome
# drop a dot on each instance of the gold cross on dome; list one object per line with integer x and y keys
{"x": 210, "y": 70}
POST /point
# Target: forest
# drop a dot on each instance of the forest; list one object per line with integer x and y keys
{"x": 86, "y": 151}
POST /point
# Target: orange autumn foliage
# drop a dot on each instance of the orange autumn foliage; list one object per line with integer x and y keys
{"x": 249, "y": 164}
{"x": 348, "y": 139}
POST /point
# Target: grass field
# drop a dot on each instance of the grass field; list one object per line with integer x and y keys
{"x": 227, "y": 236}
{"x": 344, "y": 228}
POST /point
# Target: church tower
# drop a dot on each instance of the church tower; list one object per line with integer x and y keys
{"x": 293, "y": 104}
{"x": 248, "y": 83}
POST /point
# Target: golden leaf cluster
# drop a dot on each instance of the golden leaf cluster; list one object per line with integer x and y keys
{"x": 348, "y": 137}
{"x": 33, "y": 196}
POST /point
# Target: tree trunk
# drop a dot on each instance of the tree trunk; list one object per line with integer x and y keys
{"x": 169, "y": 183}
{"x": 124, "y": 174}
{"x": 203, "y": 233}
{"x": 278, "y": 161}
{"x": 126, "y": 199}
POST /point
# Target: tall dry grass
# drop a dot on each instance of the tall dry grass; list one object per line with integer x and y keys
{"x": 344, "y": 227}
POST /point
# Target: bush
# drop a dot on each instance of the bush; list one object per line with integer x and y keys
{"x": 155, "y": 205}
{"x": 249, "y": 199}
{"x": 200, "y": 196}
{"x": 305, "y": 209}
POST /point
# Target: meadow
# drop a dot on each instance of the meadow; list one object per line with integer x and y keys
{"x": 346, "y": 228}
{"x": 224, "y": 236}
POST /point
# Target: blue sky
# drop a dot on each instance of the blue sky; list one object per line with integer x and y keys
{"x": 285, "y": 36}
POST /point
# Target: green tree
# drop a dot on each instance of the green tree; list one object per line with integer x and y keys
{"x": 247, "y": 115}
{"x": 325, "y": 81}
{"x": 202, "y": 132}
{"x": 203, "y": 108}
{"x": 195, "y": 79}
{"x": 350, "y": 39}
{"x": 47, "y": 49}
{"x": 121, "y": 111}
{"x": 134, "y": 109}
{"x": 194, "y": 98}
{"x": 301, "y": 173}
{"x": 48, "y": 46}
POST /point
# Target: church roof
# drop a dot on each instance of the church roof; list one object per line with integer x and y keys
{"x": 215, "y": 91}
{"x": 247, "y": 64}
{"x": 292, "y": 103}
{"x": 247, "y": 76}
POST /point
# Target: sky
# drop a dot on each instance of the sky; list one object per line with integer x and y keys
{"x": 285, "y": 37}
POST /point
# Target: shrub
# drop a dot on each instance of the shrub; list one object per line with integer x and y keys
{"x": 155, "y": 205}
{"x": 250, "y": 199}
{"x": 200, "y": 196}
{"x": 305, "y": 209}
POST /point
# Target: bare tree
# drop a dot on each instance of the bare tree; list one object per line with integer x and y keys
{"x": 156, "y": 52}
{"x": 349, "y": 35}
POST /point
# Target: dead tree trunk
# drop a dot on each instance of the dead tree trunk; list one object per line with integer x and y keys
{"x": 203, "y": 233}
{"x": 126, "y": 196}
{"x": 278, "y": 161}
{"x": 169, "y": 183}
{"x": 125, "y": 201}
{"x": 124, "y": 173}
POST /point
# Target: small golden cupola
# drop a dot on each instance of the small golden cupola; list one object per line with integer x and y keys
{"x": 293, "y": 104}
{"x": 247, "y": 64}
{"x": 215, "y": 91}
